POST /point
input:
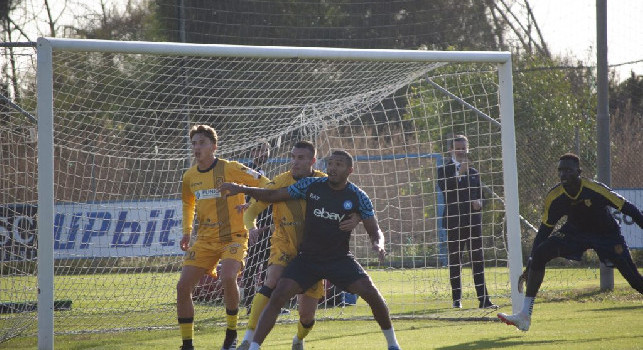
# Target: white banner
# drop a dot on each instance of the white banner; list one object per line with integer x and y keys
{"x": 118, "y": 229}
{"x": 631, "y": 231}
{"x": 84, "y": 230}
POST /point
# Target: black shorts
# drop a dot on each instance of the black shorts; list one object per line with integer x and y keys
{"x": 342, "y": 271}
{"x": 575, "y": 244}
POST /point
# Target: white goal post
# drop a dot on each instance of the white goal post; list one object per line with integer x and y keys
{"x": 279, "y": 94}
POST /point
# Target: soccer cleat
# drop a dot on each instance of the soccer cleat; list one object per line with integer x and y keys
{"x": 297, "y": 344}
{"x": 230, "y": 341}
{"x": 183, "y": 347}
{"x": 521, "y": 322}
{"x": 457, "y": 304}
{"x": 393, "y": 347}
{"x": 487, "y": 304}
{"x": 245, "y": 345}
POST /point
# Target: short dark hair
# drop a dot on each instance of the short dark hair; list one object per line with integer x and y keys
{"x": 570, "y": 156}
{"x": 455, "y": 138}
{"x": 206, "y": 130}
{"x": 345, "y": 154}
{"x": 307, "y": 145}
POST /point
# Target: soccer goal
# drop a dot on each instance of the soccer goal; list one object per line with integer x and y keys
{"x": 112, "y": 141}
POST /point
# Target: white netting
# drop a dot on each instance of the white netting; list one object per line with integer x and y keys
{"x": 120, "y": 136}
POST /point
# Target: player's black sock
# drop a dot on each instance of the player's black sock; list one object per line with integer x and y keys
{"x": 230, "y": 338}
{"x": 187, "y": 344}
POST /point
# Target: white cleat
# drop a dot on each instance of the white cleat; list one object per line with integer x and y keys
{"x": 297, "y": 344}
{"x": 520, "y": 321}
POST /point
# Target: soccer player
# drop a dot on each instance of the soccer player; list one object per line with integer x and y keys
{"x": 590, "y": 224}
{"x": 221, "y": 234}
{"x": 462, "y": 218}
{"x": 288, "y": 233}
{"x": 324, "y": 251}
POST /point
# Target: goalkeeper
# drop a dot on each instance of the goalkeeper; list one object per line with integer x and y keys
{"x": 221, "y": 234}
{"x": 289, "y": 229}
{"x": 590, "y": 225}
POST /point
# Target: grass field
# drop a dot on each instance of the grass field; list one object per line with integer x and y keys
{"x": 572, "y": 316}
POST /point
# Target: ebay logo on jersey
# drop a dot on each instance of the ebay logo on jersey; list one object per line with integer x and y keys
{"x": 322, "y": 213}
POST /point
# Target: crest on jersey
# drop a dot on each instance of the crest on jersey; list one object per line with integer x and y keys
{"x": 588, "y": 202}
{"x": 618, "y": 249}
{"x": 218, "y": 181}
{"x": 348, "y": 205}
{"x": 233, "y": 248}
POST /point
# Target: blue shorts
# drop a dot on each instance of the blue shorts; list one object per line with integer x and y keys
{"x": 341, "y": 272}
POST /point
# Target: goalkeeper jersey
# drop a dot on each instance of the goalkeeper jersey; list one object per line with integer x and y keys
{"x": 288, "y": 216}
{"x": 216, "y": 215}
{"x": 587, "y": 212}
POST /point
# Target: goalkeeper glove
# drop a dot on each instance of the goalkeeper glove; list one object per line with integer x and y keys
{"x": 522, "y": 280}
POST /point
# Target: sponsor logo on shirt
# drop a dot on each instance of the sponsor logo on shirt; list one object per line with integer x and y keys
{"x": 253, "y": 173}
{"x": 283, "y": 222}
{"x": 207, "y": 194}
{"x": 322, "y": 213}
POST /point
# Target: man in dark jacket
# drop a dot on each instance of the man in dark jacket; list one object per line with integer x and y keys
{"x": 462, "y": 218}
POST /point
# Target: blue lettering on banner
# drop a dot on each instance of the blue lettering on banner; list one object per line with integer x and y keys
{"x": 84, "y": 230}
{"x": 123, "y": 228}
{"x": 151, "y": 228}
{"x": 18, "y": 234}
{"x": 168, "y": 224}
{"x": 90, "y": 232}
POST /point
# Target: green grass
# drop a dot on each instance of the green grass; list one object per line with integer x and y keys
{"x": 574, "y": 315}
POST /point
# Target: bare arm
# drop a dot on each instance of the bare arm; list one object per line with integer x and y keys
{"x": 376, "y": 236}
{"x": 261, "y": 194}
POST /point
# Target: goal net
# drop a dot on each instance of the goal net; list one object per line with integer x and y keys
{"x": 113, "y": 119}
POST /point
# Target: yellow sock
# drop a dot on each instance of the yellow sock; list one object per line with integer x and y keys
{"x": 259, "y": 303}
{"x": 302, "y": 331}
{"x": 232, "y": 317}
{"x": 187, "y": 328}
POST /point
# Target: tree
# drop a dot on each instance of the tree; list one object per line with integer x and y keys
{"x": 626, "y": 111}
{"x": 436, "y": 24}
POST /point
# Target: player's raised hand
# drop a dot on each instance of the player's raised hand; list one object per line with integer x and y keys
{"x": 185, "y": 242}
{"x": 381, "y": 252}
{"x": 242, "y": 207}
{"x": 230, "y": 188}
{"x": 522, "y": 280}
{"x": 350, "y": 222}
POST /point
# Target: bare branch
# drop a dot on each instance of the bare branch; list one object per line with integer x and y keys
{"x": 530, "y": 13}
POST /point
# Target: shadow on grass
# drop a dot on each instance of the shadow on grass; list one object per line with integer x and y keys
{"x": 617, "y": 308}
{"x": 519, "y": 342}
{"x": 504, "y": 342}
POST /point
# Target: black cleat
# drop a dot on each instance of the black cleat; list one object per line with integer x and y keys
{"x": 230, "y": 342}
{"x": 487, "y": 304}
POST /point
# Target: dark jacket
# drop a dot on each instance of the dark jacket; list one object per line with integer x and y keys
{"x": 458, "y": 191}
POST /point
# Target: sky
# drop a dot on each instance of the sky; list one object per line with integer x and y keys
{"x": 569, "y": 28}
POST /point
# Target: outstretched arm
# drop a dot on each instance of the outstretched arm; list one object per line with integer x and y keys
{"x": 376, "y": 236}
{"x": 632, "y": 211}
{"x": 262, "y": 194}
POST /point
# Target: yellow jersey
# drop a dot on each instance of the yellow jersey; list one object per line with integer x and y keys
{"x": 216, "y": 215}
{"x": 288, "y": 216}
